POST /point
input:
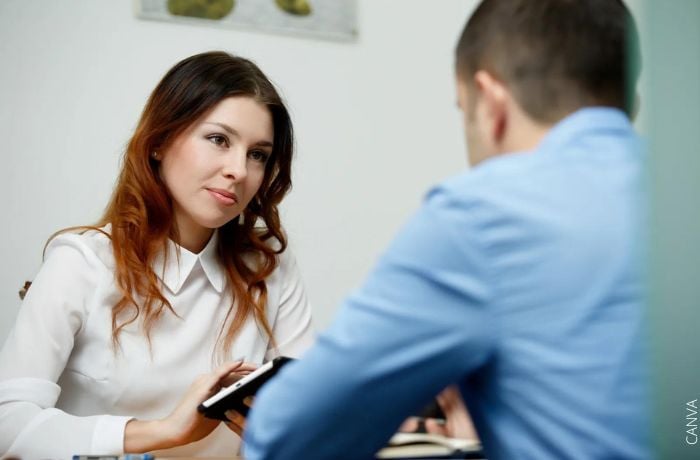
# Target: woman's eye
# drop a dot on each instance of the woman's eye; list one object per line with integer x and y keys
{"x": 218, "y": 140}
{"x": 259, "y": 155}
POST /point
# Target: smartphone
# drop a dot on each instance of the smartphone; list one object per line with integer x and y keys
{"x": 232, "y": 396}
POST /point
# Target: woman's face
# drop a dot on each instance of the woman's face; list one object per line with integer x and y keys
{"x": 215, "y": 167}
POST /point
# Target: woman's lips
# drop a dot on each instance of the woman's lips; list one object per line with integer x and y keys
{"x": 223, "y": 196}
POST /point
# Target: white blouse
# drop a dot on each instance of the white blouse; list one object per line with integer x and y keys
{"x": 63, "y": 388}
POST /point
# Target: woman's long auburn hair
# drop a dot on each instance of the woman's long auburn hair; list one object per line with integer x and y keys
{"x": 141, "y": 213}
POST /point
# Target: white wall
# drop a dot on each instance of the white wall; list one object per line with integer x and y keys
{"x": 376, "y": 124}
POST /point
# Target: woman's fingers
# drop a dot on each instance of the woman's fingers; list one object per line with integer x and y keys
{"x": 237, "y": 373}
{"x": 247, "y": 367}
{"x": 227, "y": 368}
{"x": 236, "y": 422}
{"x": 213, "y": 381}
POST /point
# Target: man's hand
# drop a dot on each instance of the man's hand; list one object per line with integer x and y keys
{"x": 457, "y": 424}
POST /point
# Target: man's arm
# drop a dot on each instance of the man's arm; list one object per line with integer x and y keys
{"x": 419, "y": 323}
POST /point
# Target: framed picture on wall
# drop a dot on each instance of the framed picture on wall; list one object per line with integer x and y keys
{"x": 324, "y": 19}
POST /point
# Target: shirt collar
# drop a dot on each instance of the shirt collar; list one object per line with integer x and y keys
{"x": 174, "y": 265}
{"x": 599, "y": 119}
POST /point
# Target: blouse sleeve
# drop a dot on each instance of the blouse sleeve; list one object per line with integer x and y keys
{"x": 292, "y": 327}
{"x": 35, "y": 355}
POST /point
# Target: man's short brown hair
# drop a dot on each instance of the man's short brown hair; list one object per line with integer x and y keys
{"x": 555, "y": 55}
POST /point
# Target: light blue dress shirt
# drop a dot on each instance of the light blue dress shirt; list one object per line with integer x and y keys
{"x": 522, "y": 281}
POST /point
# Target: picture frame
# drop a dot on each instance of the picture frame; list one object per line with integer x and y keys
{"x": 322, "y": 19}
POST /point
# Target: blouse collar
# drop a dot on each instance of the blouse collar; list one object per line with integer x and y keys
{"x": 175, "y": 265}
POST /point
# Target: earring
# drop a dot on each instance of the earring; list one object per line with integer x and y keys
{"x": 154, "y": 155}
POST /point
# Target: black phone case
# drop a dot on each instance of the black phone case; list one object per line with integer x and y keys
{"x": 234, "y": 401}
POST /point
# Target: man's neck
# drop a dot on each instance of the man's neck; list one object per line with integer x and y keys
{"x": 524, "y": 134}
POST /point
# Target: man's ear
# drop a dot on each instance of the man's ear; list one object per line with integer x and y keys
{"x": 494, "y": 105}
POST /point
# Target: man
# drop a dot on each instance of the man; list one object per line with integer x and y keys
{"x": 519, "y": 280}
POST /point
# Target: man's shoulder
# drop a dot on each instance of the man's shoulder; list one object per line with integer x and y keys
{"x": 489, "y": 178}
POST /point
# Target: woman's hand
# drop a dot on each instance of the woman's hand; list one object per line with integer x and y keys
{"x": 236, "y": 421}
{"x": 185, "y": 424}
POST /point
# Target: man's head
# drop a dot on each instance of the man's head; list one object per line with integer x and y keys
{"x": 523, "y": 65}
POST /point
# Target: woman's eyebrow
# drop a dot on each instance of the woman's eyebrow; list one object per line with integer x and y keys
{"x": 224, "y": 126}
{"x": 264, "y": 144}
{"x": 235, "y": 133}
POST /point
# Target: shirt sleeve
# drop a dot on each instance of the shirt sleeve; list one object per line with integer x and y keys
{"x": 418, "y": 324}
{"x": 292, "y": 327}
{"x": 35, "y": 355}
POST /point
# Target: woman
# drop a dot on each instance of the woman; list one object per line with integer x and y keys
{"x": 185, "y": 272}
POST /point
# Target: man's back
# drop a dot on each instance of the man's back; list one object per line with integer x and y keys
{"x": 561, "y": 228}
{"x": 520, "y": 280}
